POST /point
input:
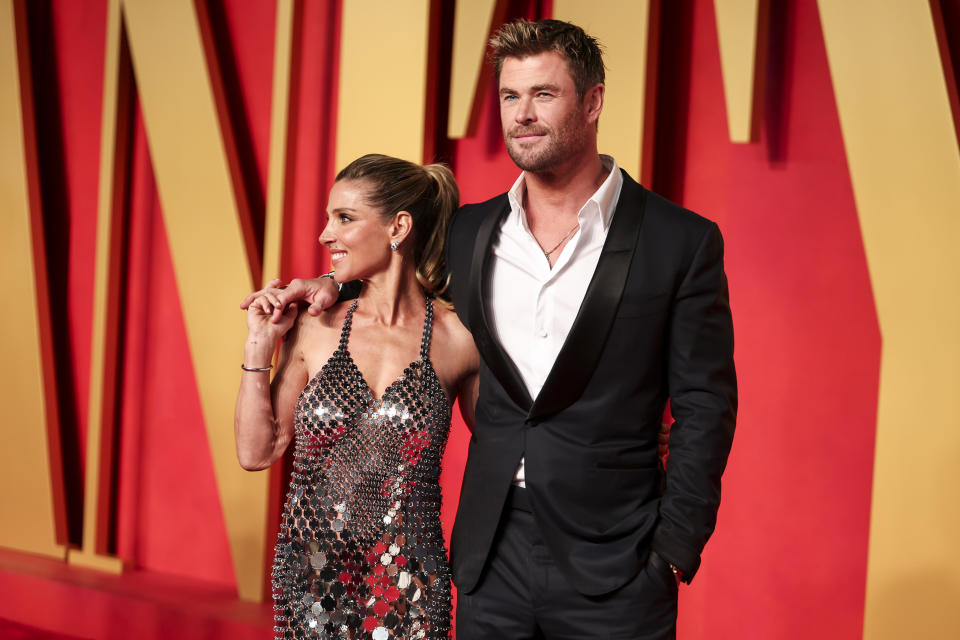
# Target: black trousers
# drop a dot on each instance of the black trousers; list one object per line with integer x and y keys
{"x": 523, "y": 595}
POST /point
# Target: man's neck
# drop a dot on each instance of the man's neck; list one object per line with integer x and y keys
{"x": 559, "y": 195}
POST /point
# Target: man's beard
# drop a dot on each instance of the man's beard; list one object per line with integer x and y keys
{"x": 562, "y": 144}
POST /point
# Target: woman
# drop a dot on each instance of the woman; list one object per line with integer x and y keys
{"x": 364, "y": 390}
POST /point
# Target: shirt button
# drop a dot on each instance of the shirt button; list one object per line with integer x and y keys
{"x": 542, "y": 332}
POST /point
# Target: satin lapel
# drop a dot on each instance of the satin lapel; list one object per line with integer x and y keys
{"x": 491, "y": 351}
{"x": 580, "y": 352}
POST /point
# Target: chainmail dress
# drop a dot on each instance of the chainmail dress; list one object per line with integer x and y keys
{"x": 360, "y": 551}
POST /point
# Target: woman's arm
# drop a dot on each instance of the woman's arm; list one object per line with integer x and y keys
{"x": 466, "y": 363}
{"x": 263, "y": 420}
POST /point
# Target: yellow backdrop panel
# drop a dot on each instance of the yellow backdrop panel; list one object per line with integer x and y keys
{"x": 471, "y": 26}
{"x": 279, "y": 129}
{"x": 381, "y": 100}
{"x": 905, "y": 168}
{"x": 737, "y": 35}
{"x": 27, "y": 520}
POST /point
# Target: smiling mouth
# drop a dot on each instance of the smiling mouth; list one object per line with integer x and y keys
{"x": 337, "y": 256}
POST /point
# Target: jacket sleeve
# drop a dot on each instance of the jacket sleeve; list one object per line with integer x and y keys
{"x": 447, "y": 257}
{"x": 703, "y": 398}
{"x": 459, "y": 248}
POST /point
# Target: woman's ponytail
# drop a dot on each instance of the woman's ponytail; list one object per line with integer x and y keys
{"x": 431, "y": 263}
{"x": 429, "y": 193}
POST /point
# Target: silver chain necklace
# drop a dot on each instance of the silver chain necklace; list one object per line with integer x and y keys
{"x": 546, "y": 254}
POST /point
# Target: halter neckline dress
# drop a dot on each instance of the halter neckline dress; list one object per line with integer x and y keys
{"x": 360, "y": 551}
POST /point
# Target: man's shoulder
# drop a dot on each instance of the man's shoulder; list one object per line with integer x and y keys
{"x": 663, "y": 214}
{"x": 675, "y": 214}
{"x": 478, "y": 210}
{"x": 467, "y": 219}
{"x": 659, "y": 207}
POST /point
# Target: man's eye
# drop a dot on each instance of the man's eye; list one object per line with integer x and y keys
{"x": 509, "y": 98}
{"x": 544, "y": 94}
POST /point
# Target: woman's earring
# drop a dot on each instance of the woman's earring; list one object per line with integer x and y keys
{"x": 394, "y": 245}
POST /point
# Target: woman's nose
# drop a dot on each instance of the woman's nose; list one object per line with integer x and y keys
{"x": 325, "y": 235}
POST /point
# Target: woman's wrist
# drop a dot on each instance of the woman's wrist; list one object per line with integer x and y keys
{"x": 258, "y": 352}
{"x": 262, "y": 340}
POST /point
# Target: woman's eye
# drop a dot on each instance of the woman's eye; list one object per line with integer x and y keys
{"x": 344, "y": 217}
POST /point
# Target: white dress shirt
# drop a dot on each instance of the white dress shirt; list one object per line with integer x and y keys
{"x": 532, "y": 306}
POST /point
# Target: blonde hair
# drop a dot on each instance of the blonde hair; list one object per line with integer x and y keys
{"x": 428, "y": 193}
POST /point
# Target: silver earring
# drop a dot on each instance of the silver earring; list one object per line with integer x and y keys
{"x": 394, "y": 245}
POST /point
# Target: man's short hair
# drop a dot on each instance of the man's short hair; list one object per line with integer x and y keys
{"x": 523, "y": 38}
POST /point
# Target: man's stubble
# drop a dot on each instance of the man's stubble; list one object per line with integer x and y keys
{"x": 564, "y": 142}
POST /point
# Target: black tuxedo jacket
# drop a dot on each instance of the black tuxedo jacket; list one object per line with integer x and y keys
{"x": 654, "y": 325}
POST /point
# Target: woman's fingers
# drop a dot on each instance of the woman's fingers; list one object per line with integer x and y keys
{"x": 271, "y": 297}
{"x": 267, "y": 302}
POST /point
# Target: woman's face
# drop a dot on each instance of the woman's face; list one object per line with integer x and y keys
{"x": 355, "y": 235}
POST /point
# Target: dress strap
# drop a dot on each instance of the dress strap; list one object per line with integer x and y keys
{"x": 347, "y": 322}
{"x": 427, "y": 331}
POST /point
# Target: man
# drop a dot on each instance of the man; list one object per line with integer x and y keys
{"x": 592, "y": 302}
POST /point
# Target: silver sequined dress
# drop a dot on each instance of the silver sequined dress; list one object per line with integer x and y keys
{"x": 360, "y": 552}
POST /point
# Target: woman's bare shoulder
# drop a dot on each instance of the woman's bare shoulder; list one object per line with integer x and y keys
{"x": 447, "y": 321}
{"x": 311, "y": 333}
{"x": 314, "y": 338}
{"x": 330, "y": 319}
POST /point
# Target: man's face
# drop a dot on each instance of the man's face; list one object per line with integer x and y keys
{"x": 544, "y": 122}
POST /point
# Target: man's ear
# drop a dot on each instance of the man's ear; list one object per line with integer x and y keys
{"x": 593, "y": 102}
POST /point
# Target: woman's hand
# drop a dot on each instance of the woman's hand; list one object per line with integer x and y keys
{"x": 267, "y": 319}
{"x": 663, "y": 443}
